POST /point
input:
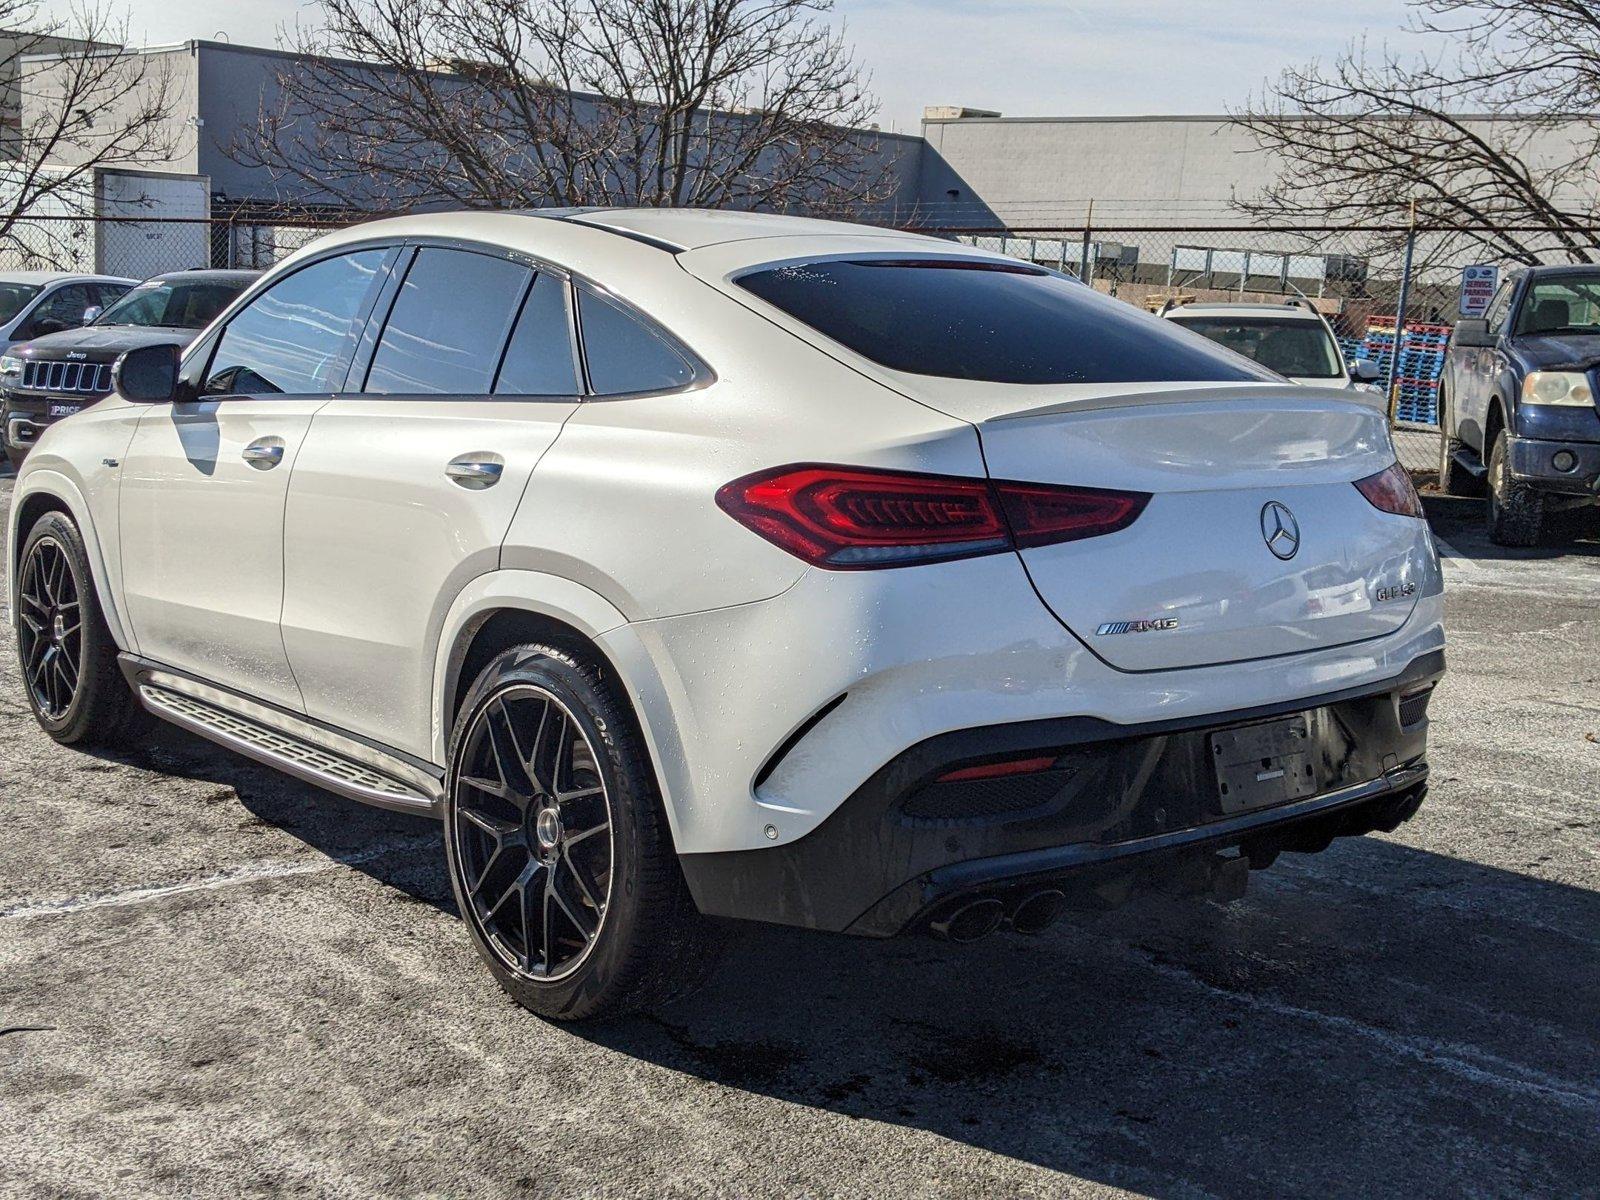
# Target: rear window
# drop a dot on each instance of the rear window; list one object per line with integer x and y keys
{"x": 991, "y": 322}
{"x": 1294, "y": 347}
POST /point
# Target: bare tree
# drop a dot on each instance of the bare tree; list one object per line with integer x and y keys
{"x": 77, "y": 102}
{"x": 1492, "y": 135}
{"x": 507, "y": 103}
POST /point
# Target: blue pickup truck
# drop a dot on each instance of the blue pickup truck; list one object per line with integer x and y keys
{"x": 1517, "y": 402}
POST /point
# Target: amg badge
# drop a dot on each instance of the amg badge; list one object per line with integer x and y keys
{"x": 1154, "y": 626}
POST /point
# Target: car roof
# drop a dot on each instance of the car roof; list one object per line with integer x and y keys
{"x": 44, "y": 277}
{"x": 1288, "y": 312}
{"x": 1539, "y": 272}
{"x": 205, "y": 275}
{"x": 674, "y": 230}
{"x": 617, "y": 247}
{"x": 695, "y": 228}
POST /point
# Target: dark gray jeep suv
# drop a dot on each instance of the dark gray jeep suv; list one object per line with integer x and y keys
{"x": 56, "y": 375}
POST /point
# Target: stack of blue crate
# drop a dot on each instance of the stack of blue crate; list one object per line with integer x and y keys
{"x": 1421, "y": 360}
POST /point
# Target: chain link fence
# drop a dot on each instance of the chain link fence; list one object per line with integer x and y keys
{"x": 1359, "y": 279}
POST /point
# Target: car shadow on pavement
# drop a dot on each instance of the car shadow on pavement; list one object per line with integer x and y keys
{"x": 1378, "y": 1020}
{"x": 1373, "y": 1020}
{"x": 403, "y": 851}
{"x": 1459, "y": 521}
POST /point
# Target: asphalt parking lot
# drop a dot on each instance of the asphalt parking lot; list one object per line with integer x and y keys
{"x": 217, "y": 981}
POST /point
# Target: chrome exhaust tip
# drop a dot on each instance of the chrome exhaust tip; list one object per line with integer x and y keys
{"x": 969, "y": 922}
{"x": 1038, "y": 912}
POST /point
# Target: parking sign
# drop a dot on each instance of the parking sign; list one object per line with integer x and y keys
{"x": 1477, "y": 287}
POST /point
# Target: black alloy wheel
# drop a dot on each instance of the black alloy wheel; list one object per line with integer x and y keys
{"x": 558, "y": 844}
{"x": 532, "y": 831}
{"x": 50, "y": 628}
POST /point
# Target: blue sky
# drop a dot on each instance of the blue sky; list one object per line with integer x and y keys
{"x": 1024, "y": 57}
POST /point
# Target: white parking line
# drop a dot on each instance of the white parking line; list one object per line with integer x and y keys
{"x": 1462, "y": 1060}
{"x": 1450, "y": 554}
{"x": 228, "y": 877}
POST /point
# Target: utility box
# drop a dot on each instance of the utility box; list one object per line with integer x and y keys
{"x": 174, "y": 233}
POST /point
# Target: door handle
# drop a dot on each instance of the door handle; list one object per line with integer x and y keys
{"x": 475, "y": 471}
{"x": 264, "y": 453}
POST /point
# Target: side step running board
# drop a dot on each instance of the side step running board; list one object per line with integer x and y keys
{"x": 1464, "y": 459}
{"x": 291, "y": 744}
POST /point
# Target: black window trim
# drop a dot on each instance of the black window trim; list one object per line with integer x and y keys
{"x": 197, "y": 357}
{"x": 574, "y": 350}
{"x": 195, "y": 363}
{"x": 383, "y": 311}
{"x": 700, "y": 374}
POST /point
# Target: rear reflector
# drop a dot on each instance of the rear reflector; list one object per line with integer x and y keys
{"x": 1017, "y": 766}
{"x": 1392, "y": 491}
{"x": 855, "y": 518}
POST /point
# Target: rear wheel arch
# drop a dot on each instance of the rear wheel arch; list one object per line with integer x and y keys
{"x": 495, "y": 630}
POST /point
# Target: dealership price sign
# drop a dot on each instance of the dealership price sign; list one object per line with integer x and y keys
{"x": 1477, "y": 287}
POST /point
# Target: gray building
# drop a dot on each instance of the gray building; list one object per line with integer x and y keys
{"x": 970, "y": 170}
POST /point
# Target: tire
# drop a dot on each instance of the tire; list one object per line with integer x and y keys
{"x": 1516, "y": 514}
{"x": 1453, "y": 480}
{"x": 69, "y": 668}
{"x": 614, "y": 938}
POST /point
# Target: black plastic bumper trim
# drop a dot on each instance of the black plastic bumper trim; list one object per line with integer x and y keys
{"x": 1124, "y": 790}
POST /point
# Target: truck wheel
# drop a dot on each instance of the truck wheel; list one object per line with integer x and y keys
{"x": 68, "y": 660}
{"x": 1453, "y": 481}
{"x": 557, "y": 844}
{"x": 1516, "y": 513}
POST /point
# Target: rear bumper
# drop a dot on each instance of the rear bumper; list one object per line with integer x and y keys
{"x": 1568, "y": 468}
{"x": 1118, "y": 802}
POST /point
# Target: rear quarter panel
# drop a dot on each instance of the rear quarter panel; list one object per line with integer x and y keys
{"x": 624, "y": 502}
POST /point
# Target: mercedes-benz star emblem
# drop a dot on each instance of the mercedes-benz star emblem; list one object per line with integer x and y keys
{"x": 1280, "y": 530}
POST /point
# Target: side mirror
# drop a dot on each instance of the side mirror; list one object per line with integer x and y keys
{"x": 148, "y": 375}
{"x": 1473, "y": 331}
{"x": 1364, "y": 370}
{"x": 90, "y": 313}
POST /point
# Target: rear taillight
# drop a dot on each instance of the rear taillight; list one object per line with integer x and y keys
{"x": 1392, "y": 491}
{"x": 854, "y": 518}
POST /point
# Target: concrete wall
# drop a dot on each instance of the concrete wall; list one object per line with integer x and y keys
{"x": 235, "y": 83}
{"x": 14, "y": 47}
{"x": 1044, "y": 171}
{"x": 179, "y": 64}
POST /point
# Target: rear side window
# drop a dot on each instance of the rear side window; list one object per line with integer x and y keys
{"x": 538, "y": 360}
{"x": 448, "y": 324}
{"x": 296, "y": 337}
{"x": 989, "y": 322}
{"x": 626, "y": 355}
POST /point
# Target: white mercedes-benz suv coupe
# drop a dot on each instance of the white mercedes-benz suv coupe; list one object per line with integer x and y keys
{"x": 696, "y": 565}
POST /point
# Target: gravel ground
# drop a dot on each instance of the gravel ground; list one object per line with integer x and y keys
{"x": 217, "y": 981}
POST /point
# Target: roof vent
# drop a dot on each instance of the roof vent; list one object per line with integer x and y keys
{"x": 955, "y": 112}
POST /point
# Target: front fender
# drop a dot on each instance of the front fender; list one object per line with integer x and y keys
{"x": 65, "y": 492}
